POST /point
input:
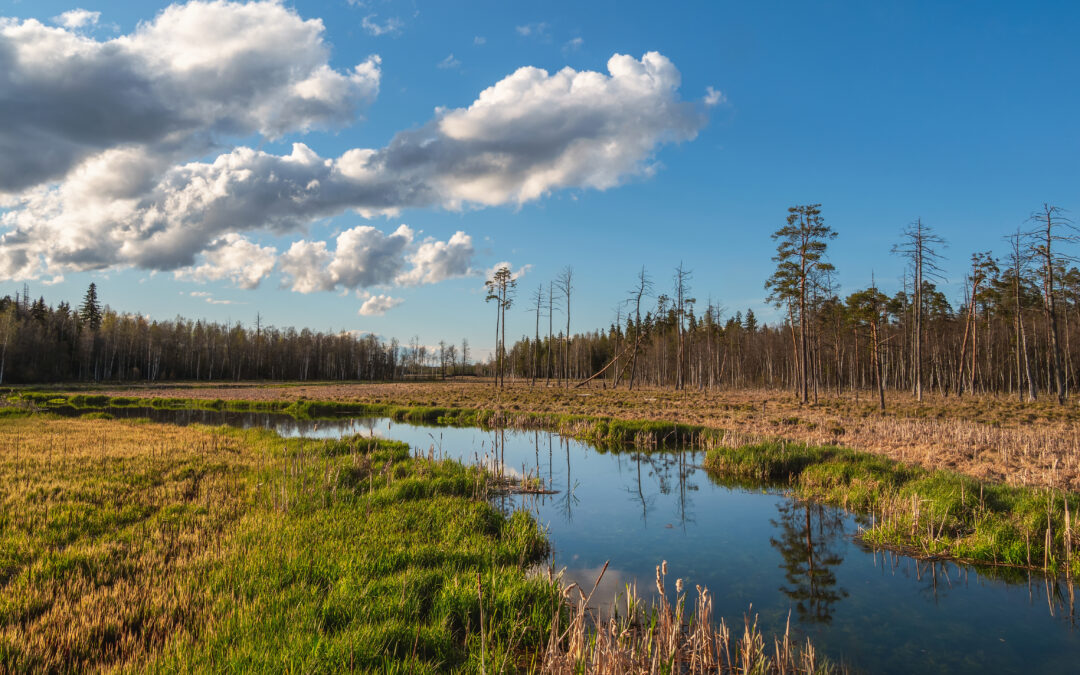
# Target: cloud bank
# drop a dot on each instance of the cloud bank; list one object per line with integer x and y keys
{"x": 98, "y": 142}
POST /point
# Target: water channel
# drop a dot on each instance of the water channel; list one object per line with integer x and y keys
{"x": 872, "y": 610}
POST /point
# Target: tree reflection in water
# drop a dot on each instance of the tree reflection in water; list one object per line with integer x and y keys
{"x": 809, "y": 541}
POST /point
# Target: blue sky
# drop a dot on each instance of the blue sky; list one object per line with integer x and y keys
{"x": 962, "y": 114}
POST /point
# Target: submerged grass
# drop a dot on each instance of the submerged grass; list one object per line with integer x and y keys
{"x": 928, "y": 513}
{"x": 124, "y": 546}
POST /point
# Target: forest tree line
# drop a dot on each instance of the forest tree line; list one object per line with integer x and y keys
{"x": 1014, "y": 329}
{"x": 40, "y": 343}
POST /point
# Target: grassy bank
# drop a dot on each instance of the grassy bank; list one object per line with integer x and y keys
{"x": 991, "y": 438}
{"x": 129, "y": 546}
{"x": 927, "y": 512}
{"x": 606, "y": 432}
{"x": 924, "y": 512}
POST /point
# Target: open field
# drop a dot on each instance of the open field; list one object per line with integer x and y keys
{"x": 987, "y": 437}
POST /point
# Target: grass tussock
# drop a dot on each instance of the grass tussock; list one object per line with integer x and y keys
{"x": 666, "y": 637}
{"x": 930, "y": 513}
{"x": 135, "y": 547}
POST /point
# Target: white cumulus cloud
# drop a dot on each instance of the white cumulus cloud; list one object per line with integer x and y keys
{"x": 77, "y": 18}
{"x": 363, "y": 257}
{"x": 104, "y": 177}
{"x": 195, "y": 72}
{"x": 377, "y": 305}
{"x": 436, "y": 261}
{"x": 235, "y": 258}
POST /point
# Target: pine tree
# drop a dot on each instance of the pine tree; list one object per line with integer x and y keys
{"x": 750, "y": 322}
{"x": 90, "y": 311}
{"x": 800, "y": 262}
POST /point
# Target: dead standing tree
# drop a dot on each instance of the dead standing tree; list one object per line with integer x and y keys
{"x": 681, "y": 279}
{"x": 538, "y": 300}
{"x": 551, "y": 332}
{"x": 565, "y": 285}
{"x": 983, "y": 268}
{"x": 1018, "y": 263}
{"x": 642, "y": 290}
{"x": 918, "y": 246}
{"x": 1052, "y": 228}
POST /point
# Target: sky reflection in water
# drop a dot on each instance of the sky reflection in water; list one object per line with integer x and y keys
{"x": 877, "y": 611}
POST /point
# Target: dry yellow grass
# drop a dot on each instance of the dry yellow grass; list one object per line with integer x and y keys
{"x": 989, "y": 437}
{"x": 101, "y": 523}
{"x": 660, "y": 636}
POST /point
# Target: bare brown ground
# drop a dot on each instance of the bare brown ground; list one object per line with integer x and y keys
{"x": 991, "y": 437}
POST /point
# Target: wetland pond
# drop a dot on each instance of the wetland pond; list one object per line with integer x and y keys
{"x": 874, "y": 611}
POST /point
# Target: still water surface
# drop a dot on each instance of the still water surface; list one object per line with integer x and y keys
{"x": 874, "y": 611}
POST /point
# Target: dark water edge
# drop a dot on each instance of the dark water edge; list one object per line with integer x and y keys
{"x": 873, "y": 610}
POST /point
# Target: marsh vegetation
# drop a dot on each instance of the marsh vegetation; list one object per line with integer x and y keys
{"x": 130, "y": 545}
{"x": 644, "y": 485}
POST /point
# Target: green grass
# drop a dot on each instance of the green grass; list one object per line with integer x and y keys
{"x": 927, "y": 513}
{"x": 606, "y": 432}
{"x": 189, "y": 549}
{"x": 920, "y": 511}
{"x": 378, "y": 575}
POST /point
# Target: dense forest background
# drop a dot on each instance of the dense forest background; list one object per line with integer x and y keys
{"x": 39, "y": 343}
{"x": 1015, "y": 328}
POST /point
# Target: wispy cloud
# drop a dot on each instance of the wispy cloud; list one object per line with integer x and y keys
{"x": 392, "y": 26}
{"x": 449, "y": 62}
{"x": 539, "y": 29}
{"x": 209, "y": 297}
